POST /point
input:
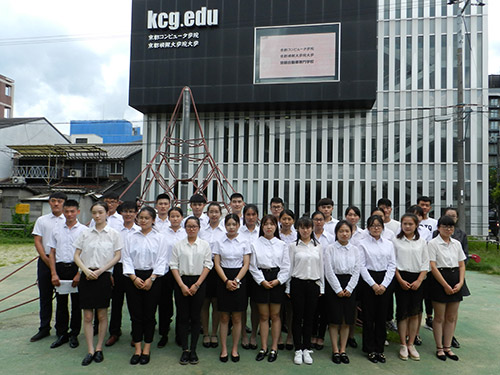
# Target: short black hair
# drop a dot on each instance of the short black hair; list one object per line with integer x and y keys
{"x": 451, "y": 209}
{"x": 446, "y": 221}
{"x": 372, "y": 220}
{"x": 71, "y": 203}
{"x": 424, "y": 198}
{"x": 127, "y": 205}
{"x": 192, "y": 218}
{"x": 339, "y": 225}
{"x": 384, "y": 202}
{"x": 356, "y": 210}
{"x": 325, "y": 202}
{"x": 236, "y": 195}
{"x": 178, "y": 209}
{"x": 375, "y": 209}
{"x": 288, "y": 212}
{"x": 162, "y": 196}
{"x": 277, "y": 200}
{"x": 197, "y": 198}
{"x": 110, "y": 195}
{"x": 150, "y": 210}
{"x": 416, "y": 210}
{"x": 58, "y": 195}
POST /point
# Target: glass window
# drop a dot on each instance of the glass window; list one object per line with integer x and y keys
{"x": 397, "y": 65}
{"x": 494, "y": 102}
{"x": 8, "y": 90}
{"x": 493, "y": 125}
{"x": 408, "y": 63}
{"x": 494, "y": 113}
{"x": 443, "y": 61}
{"x": 81, "y": 140}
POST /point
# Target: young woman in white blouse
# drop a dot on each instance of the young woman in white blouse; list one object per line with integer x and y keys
{"x": 190, "y": 264}
{"x": 448, "y": 275}
{"x": 353, "y": 215}
{"x": 231, "y": 262}
{"x": 412, "y": 265}
{"x": 306, "y": 285}
{"x": 377, "y": 267}
{"x": 98, "y": 249}
{"x": 212, "y": 233}
{"x": 144, "y": 260}
{"x": 270, "y": 267}
{"x": 342, "y": 275}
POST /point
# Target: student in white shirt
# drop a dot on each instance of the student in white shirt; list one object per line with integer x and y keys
{"x": 63, "y": 267}
{"x": 144, "y": 260}
{"x": 115, "y": 220}
{"x": 385, "y": 205}
{"x": 325, "y": 205}
{"x": 237, "y": 204}
{"x": 342, "y": 274}
{"x": 412, "y": 265}
{"x": 128, "y": 211}
{"x": 426, "y": 204}
{"x": 213, "y": 232}
{"x": 41, "y": 234}
{"x": 448, "y": 274}
{"x": 190, "y": 264}
{"x": 270, "y": 267}
{"x": 320, "y": 317}
{"x": 98, "y": 249}
{"x": 249, "y": 232}
{"x": 353, "y": 215}
{"x": 307, "y": 283}
{"x": 197, "y": 202}
{"x": 377, "y": 267}
{"x": 277, "y": 206}
{"x": 231, "y": 262}
{"x": 176, "y": 230}
{"x": 162, "y": 205}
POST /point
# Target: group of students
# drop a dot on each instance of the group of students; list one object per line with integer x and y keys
{"x": 313, "y": 273}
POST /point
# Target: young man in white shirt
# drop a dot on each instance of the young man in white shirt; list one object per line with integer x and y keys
{"x": 237, "y": 203}
{"x": 197, "y": 203}
{"x": 162, "y": 205}
{"x": 63, "y": 267}
{"x": 426, "y": 204}
{"x": 325, "y": 205}
{"x": 42, "y": 232}
{"x": 277, "y": 206}
{"x": 385, "y": 205}
{"x": 128, "y": 211}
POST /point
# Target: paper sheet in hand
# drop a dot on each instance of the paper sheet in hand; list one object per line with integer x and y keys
{"x": 66, "y": 288}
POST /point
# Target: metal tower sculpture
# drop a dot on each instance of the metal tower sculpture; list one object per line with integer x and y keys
{"x": 188, "y": 152}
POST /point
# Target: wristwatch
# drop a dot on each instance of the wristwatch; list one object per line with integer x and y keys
{"x": 237, "y": 280}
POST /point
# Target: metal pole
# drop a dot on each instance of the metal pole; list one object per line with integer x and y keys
{"x": 185, "y": 149}
{"x": 460, "y": 123}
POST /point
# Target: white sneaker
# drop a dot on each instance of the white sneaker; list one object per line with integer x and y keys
{"x": 298, "y": 357}
{"x": 307, "y": 356}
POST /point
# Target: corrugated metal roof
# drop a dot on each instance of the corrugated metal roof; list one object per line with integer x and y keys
{"x": 79, "y": 151}
{"x": 121, "y": 151}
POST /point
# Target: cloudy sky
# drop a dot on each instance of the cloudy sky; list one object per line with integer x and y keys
{"x": 70, "y": 59}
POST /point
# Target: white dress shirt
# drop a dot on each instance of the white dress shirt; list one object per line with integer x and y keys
{"x": 204, "y": 220}
{"x": 341, "y": 260}
{"x": 330, "y": 227}
{"x": 357, "y": 236}
{"x": 115, "y": 221}
{"x": 145, "y": 252}
{"x": 446, "y": 255}
{"x": 377, "y": 255}
{"x": 212, "y": 235}
{"x": 306, "y": 263}
{"x": 269, "y": 254}
{"x": 248, "y": 236}
{"x": 44, "y": 226}
{"x": 325, "y": 239}
{"x": 125, "y": 232}
{"x": 62, "y": 239}
{"x": 98, "y": 248}
{"x": 394, "y": 226}
{"x": 190, "y": 259}
{"x": 161, "y": 225}
{"x": 289, "y": 238}
{"x": 411, "y": 255}
{"x": 175, "y": 236}
{"x": 231, "y": 252}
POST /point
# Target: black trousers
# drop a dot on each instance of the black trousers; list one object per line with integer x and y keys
{"x": 117, "y": 299}
{"x": 46, "y": 292}
{"x": 320, "y": 319}
{"x": 375, "y": 310}
{"x": 166, "y": 303}
{"x": 189, "y": 312}
{"x": 67, "y": 271}
{"x": 142, "y": 307}
{"x": 304, "y": 295}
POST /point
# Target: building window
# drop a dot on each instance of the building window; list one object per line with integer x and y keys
{"x": 81, "y": 140}
{"x": 494, "y": 102}
{"x": 494, "y": 113}
{"x": 8, "y": 90}
{"x": 7, "y": 112}
{"x": 493, "y": 125}
{"x": 116, "y": 168}
{"x": 493, "y": 149}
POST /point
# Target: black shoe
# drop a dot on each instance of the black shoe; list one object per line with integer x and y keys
{"x": 372, "y": 357}
{"x": 135, "y": 359}
{"x": 428, "y": 323}
{"x": 289, "y": 346}
{"x": 214, "y": 344}
{"x": 144, "y": 359}
{"x": 248, "y": 329}
{"x": 245, "y": 346}
{"x": 418, "y": 340}
{"x": 184, "y": 357}
{"x": 223, "y": 359}
{"x": 206, "y": 344}
{"x": 319, "y": 346}
{"x": 73, "y": 342}
{"x": 273, "y": 355}
{"x": 455, "y": 343}
{"x": 163, "y": 341}
{"x": 381, "y": 357}
{"x": 352, "y": 342}
{"x": 261, "y": 355}
{"x": 40, "y": 335}
{"x": 442, "y": 357}
{"x": 193, "y": 358}
{"x": 61, "y": 340}
{"x": 88, "y": 359}
{"x": 344, "y": 358}
{"x": 98, "y": 356}
{"x": 336, "y": 358}
{"x": 235, "y": 358}
{"x": 447, "y": 352}
{"x": 281, "y": 346}
{"x": 252, "y": 346}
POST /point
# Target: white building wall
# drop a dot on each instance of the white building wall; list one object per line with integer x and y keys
{"x": 396, "y": 150}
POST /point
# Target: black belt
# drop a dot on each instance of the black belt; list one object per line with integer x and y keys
{"x": 451, "y": 269}
{"x": 67, "y": 265}
{"x": 274, "y": 269}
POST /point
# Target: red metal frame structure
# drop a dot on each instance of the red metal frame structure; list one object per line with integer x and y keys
{"x": 170, "y": 151}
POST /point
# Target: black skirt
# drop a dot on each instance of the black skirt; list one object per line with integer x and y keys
{"x": 408, "y": 302}
{"x": 273, "y": 295}
{"x": 95, "y": 294}
{"x": 211, "y": 284}
{"x": 232, "y": 301}
{"x": 437, "y": 293}
{"x": 340, "y": 310}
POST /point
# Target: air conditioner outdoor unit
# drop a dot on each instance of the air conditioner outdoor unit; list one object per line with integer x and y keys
{"x": 75, "y": 173}
{"x": 18, "y": 180}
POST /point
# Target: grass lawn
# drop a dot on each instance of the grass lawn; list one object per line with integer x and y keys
{"x": 15, "y": 250}
{"x": 490, "y": 257}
